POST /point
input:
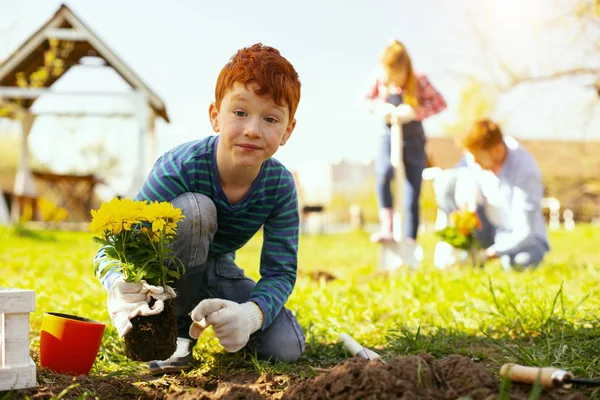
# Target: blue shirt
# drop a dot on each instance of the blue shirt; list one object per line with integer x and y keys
{"x": 271, "y": 203}
{"x": 517, "y": 196}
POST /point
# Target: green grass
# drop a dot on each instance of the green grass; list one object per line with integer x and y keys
{"x": 547, "y": 316}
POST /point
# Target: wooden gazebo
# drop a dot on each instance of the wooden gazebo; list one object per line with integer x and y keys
{"x": 78, "y": 41}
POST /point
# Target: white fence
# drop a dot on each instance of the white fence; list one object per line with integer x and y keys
{"x": 17, "y": 369}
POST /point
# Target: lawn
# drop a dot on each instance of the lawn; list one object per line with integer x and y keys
{"x": 543, "y": 317}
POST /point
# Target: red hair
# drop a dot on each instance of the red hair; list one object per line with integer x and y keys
{"x": 268, "y": 69}
{"x": 484, "y": 135}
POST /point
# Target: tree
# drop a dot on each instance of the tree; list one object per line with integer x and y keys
{"x": 565, "y": 51}
{"x": 584, "y": 16}
{"x": 477, "y": 100}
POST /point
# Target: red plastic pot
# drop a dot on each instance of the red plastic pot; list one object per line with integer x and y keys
{"x": 69, "y": 344}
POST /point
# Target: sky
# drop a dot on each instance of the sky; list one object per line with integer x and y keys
{"x": 179, "y": 47}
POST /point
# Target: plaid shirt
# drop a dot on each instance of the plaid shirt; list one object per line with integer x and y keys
{"x": 430, "y": 100}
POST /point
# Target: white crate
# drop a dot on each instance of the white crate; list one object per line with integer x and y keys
{"x": 17, "y": 369}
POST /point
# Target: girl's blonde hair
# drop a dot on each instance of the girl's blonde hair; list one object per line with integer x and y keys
{"x": 395, "y": 58}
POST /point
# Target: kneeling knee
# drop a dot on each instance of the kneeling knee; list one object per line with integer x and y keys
{"x": 280, "y": 352}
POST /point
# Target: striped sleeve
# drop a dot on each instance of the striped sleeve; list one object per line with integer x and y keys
{"x": 102, "y": 262}
{"x": 167, "y": 179}
{"x": 279, "y": 256}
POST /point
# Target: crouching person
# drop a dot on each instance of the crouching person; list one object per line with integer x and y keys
{"x": 500, "y": 180}
{"x": 229, "y": 187}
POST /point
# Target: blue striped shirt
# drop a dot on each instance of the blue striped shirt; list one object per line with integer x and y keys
{"x": 271, "y": 203}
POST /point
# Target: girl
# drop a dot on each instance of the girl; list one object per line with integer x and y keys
{"x": 401, "y": 93}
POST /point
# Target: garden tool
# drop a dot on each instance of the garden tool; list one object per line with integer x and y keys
{"x": 357, "y": 350}
{"x": 548, "y": 377}
{"x": 398, "y": 252}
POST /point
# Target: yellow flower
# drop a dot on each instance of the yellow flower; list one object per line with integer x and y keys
{"x": 138, "y": 258}
{"x": 152, "y": 235}
{"x": 116, "y": 215}
{"x": 163, "y": 216}
{"x": 465, "y": 221}
{"x": 131, "y": 212}
{"x": 103, "y": 220}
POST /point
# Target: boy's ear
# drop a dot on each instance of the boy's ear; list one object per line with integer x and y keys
{"x": 213, "y": 114}
{"x": 288, "y": 132}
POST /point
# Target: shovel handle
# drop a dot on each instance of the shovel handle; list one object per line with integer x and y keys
{"x": 357, "y": 350}
{"x": 350, "y": 344}
{"x": 548, "y": 377}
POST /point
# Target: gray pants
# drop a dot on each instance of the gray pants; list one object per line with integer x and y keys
{"x": 528, "y": 256}
{"x": 209, "y": 277}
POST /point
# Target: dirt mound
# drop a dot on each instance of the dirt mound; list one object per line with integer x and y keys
{"x": 223, "y": 392}
{"x": 412, "y": 377}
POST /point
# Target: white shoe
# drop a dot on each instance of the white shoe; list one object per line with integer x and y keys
{"x": 396, "y": 254}
{"x": 181, "y": 360}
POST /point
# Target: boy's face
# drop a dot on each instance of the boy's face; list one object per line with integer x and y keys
{"x": 251, "y": 127}
{"x": 490, "y": 159}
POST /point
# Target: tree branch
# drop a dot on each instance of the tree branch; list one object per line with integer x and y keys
{"x": 556, "y": 75}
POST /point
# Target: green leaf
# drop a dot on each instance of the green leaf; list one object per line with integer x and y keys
{"x": 101, "y": 241}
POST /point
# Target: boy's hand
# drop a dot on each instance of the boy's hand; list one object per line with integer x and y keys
{"x": 129, "y": 299}
{"x": 404, "y": 113}
{"x": 232, "y": 323}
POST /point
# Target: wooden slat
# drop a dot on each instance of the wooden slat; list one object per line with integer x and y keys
{"x": 12, "y": 378}
{"x": 16, "y": 300}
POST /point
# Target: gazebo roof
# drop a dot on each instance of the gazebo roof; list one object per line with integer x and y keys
{"x": 65, "y": 25}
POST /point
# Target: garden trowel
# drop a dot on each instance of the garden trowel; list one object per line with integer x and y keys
{"x": 398, "y": 252}
{"x": 547, "y": 377}
{"x": 357, "y": 350}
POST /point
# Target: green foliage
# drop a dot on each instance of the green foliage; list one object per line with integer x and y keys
{"x": 452, "y": 236}
{"x": 136, "y": 236}
{"x": 140, "y": 258}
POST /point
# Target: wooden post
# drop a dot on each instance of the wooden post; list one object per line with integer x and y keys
{"x": 24, "y": 184}
{"x": 17, "y": 369}
{"x": 152, "y": 145}
{"x": 4, "y": 216}
{"x": 357, "y": 219}
{"x": 142, "y": 115}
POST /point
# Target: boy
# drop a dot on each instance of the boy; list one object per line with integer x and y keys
{"x": 501, "y": 180}
{"x": 228, "y": 187}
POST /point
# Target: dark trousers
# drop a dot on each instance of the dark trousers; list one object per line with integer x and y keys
{"x": 413, "y": 156}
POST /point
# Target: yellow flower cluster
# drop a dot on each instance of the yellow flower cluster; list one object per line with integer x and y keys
{"x": 119, "y": 215}
{"x": 51, "y": 212}
{"x": 465, "y": 221}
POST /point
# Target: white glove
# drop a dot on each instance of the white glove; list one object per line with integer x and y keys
{"x": 404, "y": 113}
{"x": 129, "y": 299}
{"x": 386, "y": 111}
{"x": 482, "y": 256}
{"x": 467, "y": 193}
{"x": 445, "y": 256}
{"x": 232, "y": 323}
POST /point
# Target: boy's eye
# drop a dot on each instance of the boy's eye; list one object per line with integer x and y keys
{"x": 239, "y": 113}
{"x": 270, "y": 120}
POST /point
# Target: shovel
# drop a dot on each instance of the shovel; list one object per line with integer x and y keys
{"x": 398, "y": 252}
{"x": 547, "y": 377}
{"x": 357, "y": 350}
